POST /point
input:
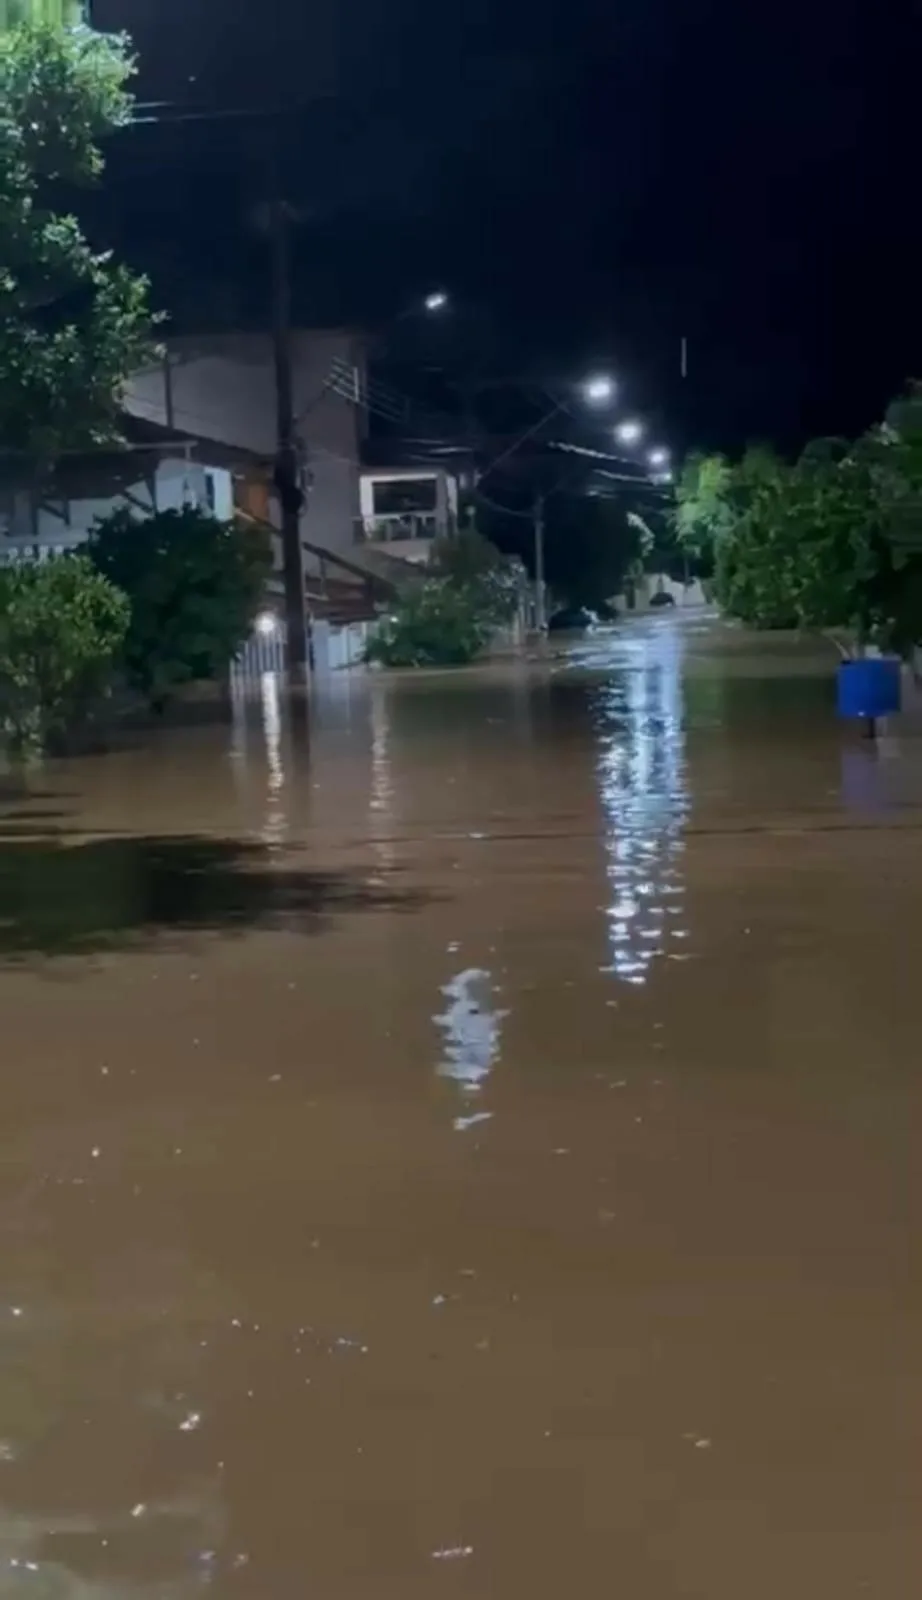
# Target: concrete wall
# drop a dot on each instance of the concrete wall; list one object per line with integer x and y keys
{"x": 690, "y": 594}
{"x": 223, "y": 387}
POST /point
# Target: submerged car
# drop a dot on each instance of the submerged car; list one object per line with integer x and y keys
{"x": 572, "y": 619}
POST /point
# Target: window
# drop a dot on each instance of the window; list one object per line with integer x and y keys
{"x": 404, "y": 497}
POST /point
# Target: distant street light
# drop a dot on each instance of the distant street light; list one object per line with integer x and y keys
{"x": 436, "y": 301}
{"x": 629, "y": 432}
{"x": 599, "y": 390}
{"x": 594, "y": 391}
{"x": 659, "y": 457}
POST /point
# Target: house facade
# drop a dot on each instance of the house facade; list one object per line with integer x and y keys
{"x": 406, "y": 508}
{"x": 55, "y": 517}
{"x": 222, "y": 387}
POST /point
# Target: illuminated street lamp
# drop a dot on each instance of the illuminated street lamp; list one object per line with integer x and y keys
{"x": 658, "y": 458}
{"x": 630, "y": 432}
{"x": 436, "y": 301}
{"x": 598, "y": 390}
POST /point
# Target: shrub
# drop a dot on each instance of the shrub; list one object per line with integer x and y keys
{"x": 61, "y": 627}
{"x": 433, "y": 625}
{"x": 493, "y": 581}
{"x": 195, "y": 585}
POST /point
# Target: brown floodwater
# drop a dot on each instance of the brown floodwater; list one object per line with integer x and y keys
{"x": 472, "y": 1153}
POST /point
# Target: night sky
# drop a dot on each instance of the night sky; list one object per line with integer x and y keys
{"x": 592, "y": 181}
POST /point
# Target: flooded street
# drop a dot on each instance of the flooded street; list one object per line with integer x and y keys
{"x": 476, "y": 1156}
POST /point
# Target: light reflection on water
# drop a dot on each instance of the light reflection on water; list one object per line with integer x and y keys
{"x": 275, "y": 827}
{"x": 471, "y": 1029}
{"x": 643, "y": 791}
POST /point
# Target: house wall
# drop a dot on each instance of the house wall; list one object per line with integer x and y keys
{"x": 446, "y": 487}
{"x": 57, "y": 524}
{"x": 223, "y": 387}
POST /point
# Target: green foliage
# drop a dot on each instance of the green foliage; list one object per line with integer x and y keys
{"x": 437, "y": 624}
{"x": 73, "y": 323}
{"x": 702, "y": 511}
{"x": 797, "y": 550}
{"x": 195, "y": 585}
{"x": 54, "y": 13}
{"x": 492, "y": 581}
{"x": 61, "y": 627}
{"x": 832, "y": 541}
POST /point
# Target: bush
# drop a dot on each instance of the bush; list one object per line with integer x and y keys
{"x": 493, "y": 582}
{"x": 433, "y": 625}
{"x": 61, "y": 627}
{"x": 194, "y": 584}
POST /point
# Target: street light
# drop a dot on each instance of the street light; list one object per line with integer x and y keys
{"x": 629, "y": 432}
{"x": 658, "y": 458}
{"x": 598, "y": 390}
{"x": 436, "y": 301}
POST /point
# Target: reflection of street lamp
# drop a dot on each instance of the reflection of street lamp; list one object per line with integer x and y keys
{"x": 629, "y": 432}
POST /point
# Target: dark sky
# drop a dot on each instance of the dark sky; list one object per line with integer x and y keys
{"x": 596, "y": 179}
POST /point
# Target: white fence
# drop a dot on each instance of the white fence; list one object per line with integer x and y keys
{"x": 332, "y": 650}
{"x": 338, "y": 648}
{"x": 11, "y": 554}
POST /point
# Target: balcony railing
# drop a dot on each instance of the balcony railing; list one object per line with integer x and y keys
{"x": 393, "y": 530}
{"x": 30, "y": 550}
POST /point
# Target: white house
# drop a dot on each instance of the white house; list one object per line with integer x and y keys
{"x": 405, "y": 508}
{"x": 149, "y": 475}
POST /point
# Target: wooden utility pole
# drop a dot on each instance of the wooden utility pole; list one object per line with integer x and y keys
{"x": 540, "y": 606}
{"x": 287, "y": 463}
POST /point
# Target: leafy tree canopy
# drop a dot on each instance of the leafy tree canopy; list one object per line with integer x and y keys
{"x": 701, "y": 509}
{"x": 56, "y": 13}
{"x": 194, "y": 584}
{"x": 433, "y": 624}
{"x": 73, "y": 323}
{"x": 470, "y": 562}
{"x": 61, "y": 626}
{"x": 831, "y": 541}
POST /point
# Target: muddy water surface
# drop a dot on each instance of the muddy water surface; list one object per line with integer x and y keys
{"x": 474, "y": 1156}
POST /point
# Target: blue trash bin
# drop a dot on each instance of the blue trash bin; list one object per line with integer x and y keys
{"x": 869, "y": 687}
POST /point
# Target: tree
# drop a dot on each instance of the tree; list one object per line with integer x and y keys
{"x": 61, "y": 627}
{"x": 73, "y": 323}
{"x": 702, "y": 511}
{"x": 798, "y": 549}
{"x": 434, "y": 624}
{"x": 56, "y": 13}
{"x": 833, "y": 541}
{"x": 470, "y": 563}
{"x": 195, "y": 585}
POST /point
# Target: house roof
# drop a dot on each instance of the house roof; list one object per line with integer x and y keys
{"x": 84, "y": 474}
